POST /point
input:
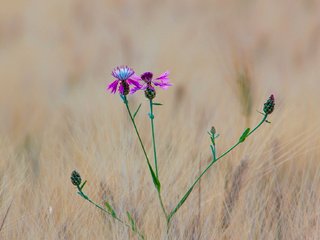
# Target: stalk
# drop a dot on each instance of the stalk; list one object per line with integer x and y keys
{"x": 154, "y": 175}
{"x": 214, "y": 160}
{"x": 153, "y": 138}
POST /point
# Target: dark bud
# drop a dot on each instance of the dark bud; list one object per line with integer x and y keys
{"x": 126, "y": 88}
{"x": 75, "y": 178}
{"x": 213, "y": 131}
{"x": 269, "y": 105}
{"x": 150, "y": 93}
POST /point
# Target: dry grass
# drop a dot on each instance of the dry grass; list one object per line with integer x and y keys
{"x": 55, "y": 59}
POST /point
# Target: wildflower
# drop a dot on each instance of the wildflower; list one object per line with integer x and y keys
{"x": 125, "y": 76}
{"x": 75, "y": 178}
{"x": 148, "y": 82}
{"x": 269, "y": 105}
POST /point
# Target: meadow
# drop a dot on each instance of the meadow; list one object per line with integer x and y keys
{"x": 225, "y": 59}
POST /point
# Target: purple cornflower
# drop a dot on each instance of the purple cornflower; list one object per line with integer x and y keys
{"x": 125, "y": 76}
{"x": 147, "y": 81}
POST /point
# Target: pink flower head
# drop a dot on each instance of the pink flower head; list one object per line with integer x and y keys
{"x": 125, "y": 76}
{"x": 147, "y": 81}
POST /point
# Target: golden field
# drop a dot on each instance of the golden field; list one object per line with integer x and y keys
{"x": 225, "y": 59}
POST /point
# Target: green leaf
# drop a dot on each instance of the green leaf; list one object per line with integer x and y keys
{"x": 83, "y": 184}
{"x": 157, "y": 104}
{"x": 180, "y": 203}
{"x": 136, "y": 112}
{"x": 244, "y": 135}
{"x": 110, "y": 209}
{"x": 155, "y": 180}
{"x": 132, "y": 222}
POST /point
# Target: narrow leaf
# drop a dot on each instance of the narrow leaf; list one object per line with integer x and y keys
{"x": 244, "y": 135}
{"x": 132, "y": 222}
{"x": 83, "y": 184}
{"x": 155, "y": 180}
{"x": 110, "y": 209}
{"x": 135, "y": 113}
{"x": 180, "y": 203}
{"x": 157, "y": 104}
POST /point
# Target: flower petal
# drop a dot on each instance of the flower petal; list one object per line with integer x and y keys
{"x": 134, "y": 89}
{"x": 135, "y": 77}
{"x": 141, "y": 87}
{"x": 113, "y": 86}
{"x": 134, "y": 82}
{"x": 164, "y": 76}
{"x": 163, "y": 85}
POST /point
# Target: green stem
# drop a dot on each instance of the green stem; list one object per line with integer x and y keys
{"x": 214, "y": 160}
{"x": 136, "y": 129}
{"x": 153, "y": 138}
{"x": 146, "y": 156}
{"x": 84, "y": 196}
{"x": 162, "y": 206}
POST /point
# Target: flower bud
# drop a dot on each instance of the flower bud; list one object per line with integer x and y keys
{"x": 75, "y": 178}
{"x": 213, "y": 131}
{"x": 150, "y": 93}
{"x": 269, "y": 105}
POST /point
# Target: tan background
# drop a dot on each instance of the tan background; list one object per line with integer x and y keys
{"x": 55, "y": 116}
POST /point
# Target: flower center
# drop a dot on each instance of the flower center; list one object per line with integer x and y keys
{"x": 147, "y": 77}
{"x": 122, "y": 73}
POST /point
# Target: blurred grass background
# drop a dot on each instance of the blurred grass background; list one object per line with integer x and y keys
{"x": 225, "y": 59}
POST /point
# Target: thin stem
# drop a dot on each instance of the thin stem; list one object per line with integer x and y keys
{"x": 214, "y": 160}
{"x": 84, "y": 196}
{"x": 145, "y": 154}
{"x": 162, "y": 206}
{"x": 136, "y": 129}
{"x": 153, "y": 138}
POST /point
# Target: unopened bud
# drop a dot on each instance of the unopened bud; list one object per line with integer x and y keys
{"x": 269, "y": 105}
{"x": 150, "y": 93}
{"x": 213, "y": 131}
{"x": 75, "y": 178}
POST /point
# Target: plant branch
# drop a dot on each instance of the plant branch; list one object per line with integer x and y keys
{"x": 214, "y": 160}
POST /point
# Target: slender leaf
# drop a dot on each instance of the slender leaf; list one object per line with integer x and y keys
{"x": 155, "y": 180}
{"x": 136, "y": 112}
{"x": 132, "y": 222}
{"x": 157, "y": 104}
{"x": 110, "y": 209}
{"x": 83, "y": 184}
{"x": 180, "y": 203}
{"x": 244, "y": 135}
